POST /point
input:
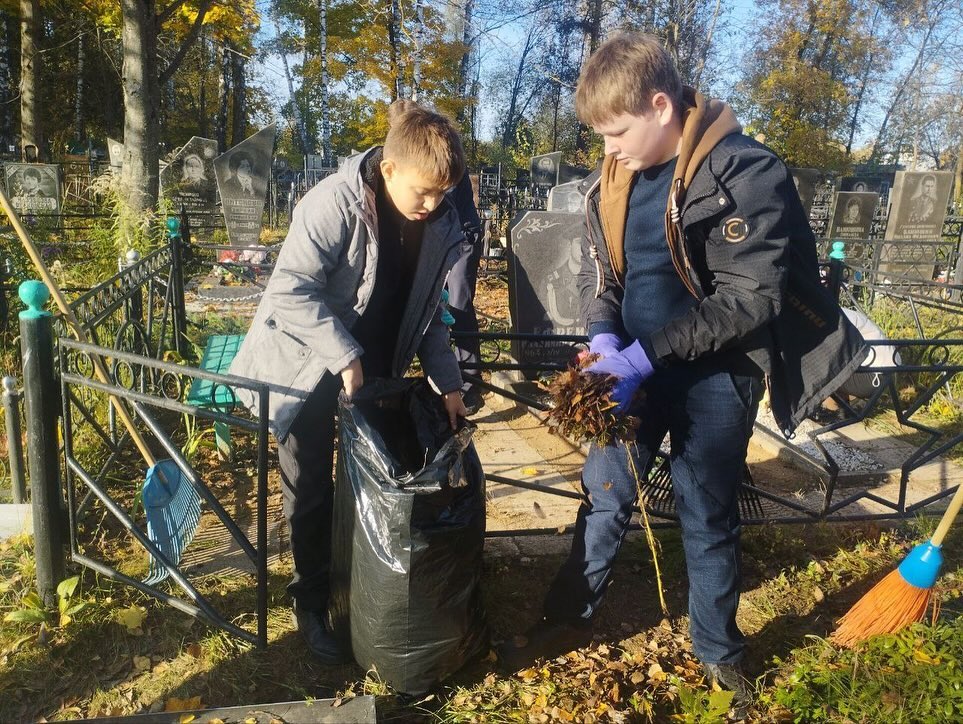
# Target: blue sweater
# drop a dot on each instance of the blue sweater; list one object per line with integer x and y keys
{"x": 654, "y": 293}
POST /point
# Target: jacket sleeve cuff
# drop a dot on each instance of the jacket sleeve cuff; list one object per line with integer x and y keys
{"x": 657, "y": 349}
{"x": 604, "y": 327}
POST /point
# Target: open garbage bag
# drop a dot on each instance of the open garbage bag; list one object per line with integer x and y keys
{"x": 409, "y": 527}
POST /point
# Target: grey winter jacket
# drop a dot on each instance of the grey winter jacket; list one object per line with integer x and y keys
{"x": 749, "y": 256}
{"x": 321, "y": 284}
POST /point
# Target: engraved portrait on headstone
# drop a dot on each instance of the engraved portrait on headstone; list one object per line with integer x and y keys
{"x": 852, "y": 216}
{"x": 919, "y": 205}
{"x": 242, "y": 178}
{"x": 567, "y": 198}
{"x": 115, "y": 151}
{"x": 33, "y": 188}
{"x": 545, "y": 169}
{"x": 188, "y": 182}
{"x": 806, "y": 180}
{"x": 544, "y": 260}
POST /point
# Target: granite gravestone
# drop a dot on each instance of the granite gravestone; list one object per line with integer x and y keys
{"x": 115, "y": 150}
{"x": 919, "y": 205}
{"x": 876, "y": 184}
{"x": 852, "y": 216}
{"x": 806, "y": 180}
{"x": 242, "y": 175}
{"x": 566, "y": 198}
{"x": 33, "y": 188}
{"x": 545, "y": 170}
{"x": 544, "y": 259}
{"x": 568, "y": 173}
{"x": 188, "y": 181}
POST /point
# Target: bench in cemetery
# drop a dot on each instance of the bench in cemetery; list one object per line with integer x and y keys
{"x": 219, "y": 352}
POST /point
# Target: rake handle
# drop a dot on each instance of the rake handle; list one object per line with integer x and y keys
{"x": 100, "y": 369}
{"x": 948, "y": 517}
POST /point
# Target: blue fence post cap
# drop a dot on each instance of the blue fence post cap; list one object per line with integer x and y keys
{"x": 838, "y": 251}
{"x": 35, "y": 295}
{"x": 173, "y": 226}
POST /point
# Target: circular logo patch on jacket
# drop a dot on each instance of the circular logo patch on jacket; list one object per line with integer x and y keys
{"x": 735, "y": 230}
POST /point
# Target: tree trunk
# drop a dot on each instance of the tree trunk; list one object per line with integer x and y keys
{"x": 704, "y": 55}
{"x": 141, "y": 105}
{"x": 419, "y": 36}
{"x": 295, "y": 108}
{"x": 6, "y": 83}
{"x": 513, "y": 116}
{"x": 79, "y": 100}
{"x": 203, "y": 65}
{"x": 238, "y": 124}
{"x": 31, "y": 132}
{"x": 325, "y": 97}
{"x": 898, "y": 96}
{"x": 394, "y": 44}
{"x": 465, "y": 62}
{"x": 592, "y": 35}
{"x": 223, "y": 85}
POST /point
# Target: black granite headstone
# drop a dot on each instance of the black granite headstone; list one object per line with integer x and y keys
{"x": 919, "y": 202}
{"x": 188, "y": 181}
{"x": 544, "y": 259}
{"x": 852, "y": 216}
{"x": 33, "y": 188}
{"x": 242, "y": 174}
{"x": 545, "y": 169}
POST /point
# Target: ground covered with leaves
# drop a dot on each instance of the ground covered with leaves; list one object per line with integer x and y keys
{"x": 111, "y": 651}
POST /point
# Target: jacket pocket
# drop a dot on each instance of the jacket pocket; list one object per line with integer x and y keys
{"x": 280, "y": 357}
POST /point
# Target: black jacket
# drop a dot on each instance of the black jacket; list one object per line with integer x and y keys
{"x": 749, "y": 256}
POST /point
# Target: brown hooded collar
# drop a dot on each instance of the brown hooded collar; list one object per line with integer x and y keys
{"x": 704, "y": 124}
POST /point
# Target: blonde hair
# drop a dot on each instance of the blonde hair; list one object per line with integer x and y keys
{"x": 425, "y": 140}
{"x": 623, "y": 75}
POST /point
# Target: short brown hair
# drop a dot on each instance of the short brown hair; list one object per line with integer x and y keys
{"x": 426, "y": 140}
{"x": 623, "y": 75}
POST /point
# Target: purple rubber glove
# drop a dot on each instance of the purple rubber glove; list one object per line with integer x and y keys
{"x": 631, "y": 367}
{"x": 605, "y": 344}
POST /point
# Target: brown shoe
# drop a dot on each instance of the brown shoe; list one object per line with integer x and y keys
{"x": 544, "y": 640}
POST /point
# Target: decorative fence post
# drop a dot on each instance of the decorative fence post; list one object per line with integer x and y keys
{"x": 11, "y": 408}
{"x": 837, "y": 258}
{"x": 135, "y": 310}
{"x": 4, "y": 307}
{"x": 179, "y": 234}
{"x": 42, "y": 398}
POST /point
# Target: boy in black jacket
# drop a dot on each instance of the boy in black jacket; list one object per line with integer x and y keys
{"x": 699, "y": 278}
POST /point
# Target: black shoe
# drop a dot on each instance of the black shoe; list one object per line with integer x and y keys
{"x": 730, "y": 678}
{"x": 473, "y": 400}
{"x": 319, "y": 639}
{"x": 544, "y": 640}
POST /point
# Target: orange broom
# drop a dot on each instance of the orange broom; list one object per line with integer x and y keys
{"x": 904, "y": 595}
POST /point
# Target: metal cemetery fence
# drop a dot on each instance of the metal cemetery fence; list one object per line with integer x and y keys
{"x": 103, "y": 485}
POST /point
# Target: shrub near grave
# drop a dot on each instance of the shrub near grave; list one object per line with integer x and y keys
{"x": 914, "y": 676}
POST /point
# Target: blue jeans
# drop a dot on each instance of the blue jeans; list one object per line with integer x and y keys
{"x": 709, "y": 415}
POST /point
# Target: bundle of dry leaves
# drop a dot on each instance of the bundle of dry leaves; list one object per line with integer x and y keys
{"x": 582, "y": 408}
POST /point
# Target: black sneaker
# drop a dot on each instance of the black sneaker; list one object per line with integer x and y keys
{"x": 473, "y": 400}
{"x": 319, "y": 639}
{"x": 544, "y": 640}
{"x": 730, "y": 678}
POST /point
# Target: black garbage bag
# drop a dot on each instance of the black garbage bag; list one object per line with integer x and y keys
{"x": 409, "y": 528}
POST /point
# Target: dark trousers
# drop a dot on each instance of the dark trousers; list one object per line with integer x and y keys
{"x": 461, "y": 304}
{"x": 709, "y": 415}
{"x": 306, "y": 456}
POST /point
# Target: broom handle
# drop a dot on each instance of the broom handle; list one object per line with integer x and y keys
{"x": 100, "y": 370}
{"x": 947, "y": 520}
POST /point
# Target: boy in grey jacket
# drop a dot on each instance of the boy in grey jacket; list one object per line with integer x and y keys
{"x": 355, "y": 294}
